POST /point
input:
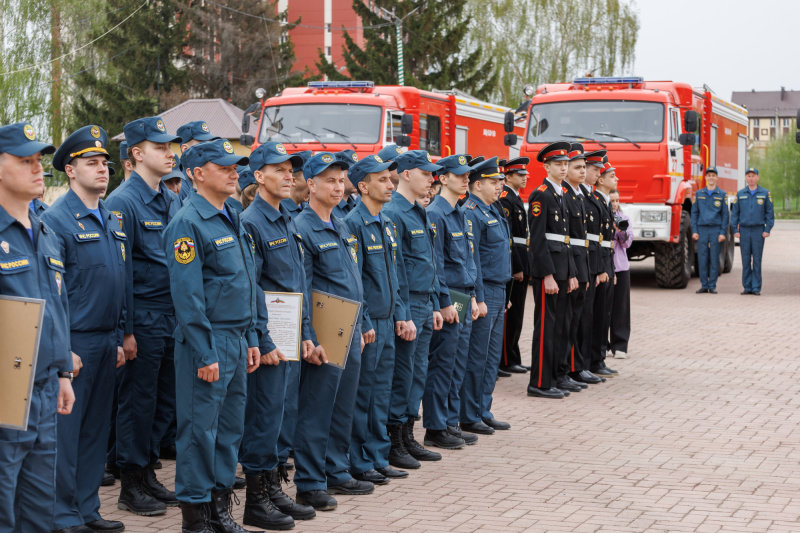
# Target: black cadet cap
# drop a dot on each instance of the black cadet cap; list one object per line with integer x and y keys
{"x": 88, "y": 141}
{"x": 474, "y": 161}
{"x": 518, "y": 165}
{"x": 557, "y": 151}
{"x": 595, "y": 158}
{"x": 576, "y": 151}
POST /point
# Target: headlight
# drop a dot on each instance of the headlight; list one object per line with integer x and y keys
{"x": 529, "y": 90}
{"x": 654, "y": 216}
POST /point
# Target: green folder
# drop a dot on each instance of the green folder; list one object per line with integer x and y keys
{"x": 461, "y": 303}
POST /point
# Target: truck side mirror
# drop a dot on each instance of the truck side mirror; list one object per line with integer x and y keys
{"x": 687, "y": 139}
{"x": 510, "y": 139}
{"x": 508, "y": 123}
{"x": 406, "y": 124}
{"x": 246, "y": 140}
{"x": 690, "y": 121}
{"x": 403, "y": 141}
{"x": 246, "y": 118}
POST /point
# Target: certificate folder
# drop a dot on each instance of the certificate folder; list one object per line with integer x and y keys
{"x": 461, "y": 303}
{"x": 334, "y": 320}
{"x": 20, "y": 331}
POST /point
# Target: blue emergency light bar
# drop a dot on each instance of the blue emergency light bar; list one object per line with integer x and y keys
{"x": 341, "y": 85}
{"x": 606, "y": 81}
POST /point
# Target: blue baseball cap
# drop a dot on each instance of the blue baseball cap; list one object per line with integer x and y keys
{"x": 123, "y": 151}
{"x": 187, "y": 158}
{"x": 390, "y": 152}
{"x": 416, "y": 159}
{"x": 177, "y": 169}
{"x": 368, "y": 165}
{"x": 148, "y": 129}
{"x": 304, "y": 156}
{"x": 349, "y": 156}
{"x": 457, "y": 164}
{"x": 319, "y": 162}
{"x": 271, "y": 153}
{"x": 20, "y": 140}
{"x": 486, "y": 169}
{"x": 219, "y": 151}
{"x": 88, "y": 141}
{"x": 753, "y": 170}
{"x": 246, "y": 176}
{"x": 712, "y": 169}
{"x": 197, "y": 130}
{"x": 111, "y": 170}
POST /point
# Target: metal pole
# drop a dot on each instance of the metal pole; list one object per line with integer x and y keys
{"x": 401, "y": 74}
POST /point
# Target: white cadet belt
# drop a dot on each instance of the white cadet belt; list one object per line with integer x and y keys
{"x": 557, "y": 237}
{"x": 520, "y": 240}
{"x": 594, "y": 237}
{"x": 607, "y": 244}
{"x": 579, "y": 242}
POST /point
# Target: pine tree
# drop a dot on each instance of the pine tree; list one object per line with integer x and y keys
{"x": 433, "y": 48}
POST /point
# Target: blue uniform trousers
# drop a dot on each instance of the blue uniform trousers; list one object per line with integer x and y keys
{"x": 448, "y": 350}
{"x": 369, "y": 443}
{"x": 459, "y": 369}
{"x": 323, "y": 417}
{"x": 83, "y": 434}
{"x": 28, "y": 466}
{"x": 708, "y": 256}
{"x": 289, "y": 411}
{"x": 210, "y": 420}
{"x": 111, "y": 456}
{"x": 266, "y": 390}
{"x": 411, "y": 363}
{"x": 751, "y": 242}
{"x": 165, "y": 425}
{"x": 138, "y": 405}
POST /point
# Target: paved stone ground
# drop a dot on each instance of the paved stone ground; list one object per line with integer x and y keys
{"x": 699, "y": 432}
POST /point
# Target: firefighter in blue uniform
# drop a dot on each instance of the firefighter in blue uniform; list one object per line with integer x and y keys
{"x": 95, "y": 253}
{"x": 416, "y": 276}
{"x": 455, "y": 268}
{"x": 145, "y": 206}
{"x": 752, "y": 218}
{"x": 32, "y": 266}
{"x": 214, "y": 291}
{"x": 493, "y": 262}
{"x": 191, "y": 134}
{"x": 709, "y": 229}
{"x": 278, "y": 268}
{"x": 350, "y": 198}
{"x": 327, "y": 393}
{"x": 383, "y": 317}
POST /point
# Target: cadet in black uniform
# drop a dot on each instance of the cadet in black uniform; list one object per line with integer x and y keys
{"x": 514, "y": 210}
{"x": 553, "y": 269}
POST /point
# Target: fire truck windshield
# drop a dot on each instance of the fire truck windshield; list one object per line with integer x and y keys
{"x": 634, "y": 121}
{"x": 321, "y": 123}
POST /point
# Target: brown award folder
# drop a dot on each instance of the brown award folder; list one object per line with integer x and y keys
{"x": 20, "y": 331}
{"x": 334, "y": 320}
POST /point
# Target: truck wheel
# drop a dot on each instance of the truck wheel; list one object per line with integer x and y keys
{"x": 674, "y": 260}
{"x": 729, "y": 249}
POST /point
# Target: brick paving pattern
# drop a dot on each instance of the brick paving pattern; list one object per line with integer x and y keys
{"x": 699, "y": 432}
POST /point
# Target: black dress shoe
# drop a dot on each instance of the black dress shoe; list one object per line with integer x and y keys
{"x": 526, "y": 367}
{"x": 113, "y": 470}
{"x": 476, "y": 427}
{"x": 566, "y": 384}
{"x": 712, "y": 291}
{"x": 603, "y": 373}
{"x": 584, "y": 376}
{"x": 169, "y": 452}
{"x": 614, "y": 372}
{"x": 108, "y": 479}
{"x": 106, "y": 525}
{"x": 756, "y": 293}
{"x": 352, "y": 487}
{"x": 701, "y": 291}
{"x": 503, "y": 374}
{"x": 496, "y": 424}
{"x": 578, "y": 383}
{"x": 73, "y": 529}
{"x": 565, "y": 392}
{"x": 552, "y": 393}
{"x": 239, "y": 483}
{"x": 745, "y": 292}
{"x": 372, "y": 476}
{"x": 441, "y": 438}
{"x": 318, "y": 499}
{"x": 468, "y": 438}
{"x": 391, "y": 473}
{"x": 514, "y": 369}
{"x": 156, "y": 465}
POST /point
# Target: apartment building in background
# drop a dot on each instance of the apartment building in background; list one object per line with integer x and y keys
{"x": 771, "y": 114}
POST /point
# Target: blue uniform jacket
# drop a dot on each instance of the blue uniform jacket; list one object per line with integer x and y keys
{"x": 187, "y": 188}
{"x": 291, "y": 208}
{"x": 329, "y": 259}
{"x": 95, "y": 256}
{"x": 37, "y": 271}
{"x": 753, "y": 209}
{"x": 416, "y": 267}
{"x": 493, "y": 243}
{"x": 376, "y": 255}
{"x": 710, "y": 208}
{"x": 278, "y": 260}
{"x": 38, "y": 207}
{"x": 143, "y": 214}
{"x": 212, "y": 278}
{"x": 454, "y": 249}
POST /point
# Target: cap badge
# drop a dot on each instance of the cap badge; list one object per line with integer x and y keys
{"x": 378, "y": 159}
{"x": 399, "y": 150}
{"x": 227, "y": 146}
{"x": 160, "y": 126}
{"x": 174, "y": 163}
{"x": 98, "y": 144}
{"x": 29, "y": 132}
{"x": 204, "y": 127}
{"x": 355, "y": 158}
{"x": 95, "y": 132}
{"x": 280, "y": 149}
{"x": 462, "y": 160}
{"x": 429, "y": 158}
{"x": 327, "y": 158}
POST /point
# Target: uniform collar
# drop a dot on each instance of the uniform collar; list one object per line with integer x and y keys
{"x": 365, "y": 215}
{"x": 289, "y": 205}
{"x": 445, "y": 205}
{"x": 207, "y": 211}
{"x": 270, "y": 212}
{"x": 577, "y": 191}
{"x": 7, "y": 220}
{"x": 147, "y": 193}
{"x": 556, "y": 186}
{"x": 478, "y": 202}
{"x": 317, "y": 223}
{"x": 79, "y": 209}
{"x": 403, "y": 202}
{"x": 603, "y": 196}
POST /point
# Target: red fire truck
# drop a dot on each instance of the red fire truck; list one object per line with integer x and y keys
{"x": 659, "y": 164}
{"x": 357, "y": 115}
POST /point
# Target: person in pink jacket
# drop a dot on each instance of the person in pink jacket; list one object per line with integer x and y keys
{"x": 620, "y": 331}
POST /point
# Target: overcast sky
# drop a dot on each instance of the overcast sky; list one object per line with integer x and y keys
{"x": 730, "y": 45}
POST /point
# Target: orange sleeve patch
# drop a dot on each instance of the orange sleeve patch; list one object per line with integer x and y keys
{"x": 536, "y": 208}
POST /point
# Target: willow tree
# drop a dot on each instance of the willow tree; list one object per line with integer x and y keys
{"x": 548, "y": 41}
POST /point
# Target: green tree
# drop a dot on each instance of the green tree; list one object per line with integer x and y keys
{"x": 779, "y": 170}
{"x": 434, "y": 53}
{"x": 549, "y": 41}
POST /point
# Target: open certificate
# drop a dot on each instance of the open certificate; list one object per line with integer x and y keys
{"x": 285, "y": 310}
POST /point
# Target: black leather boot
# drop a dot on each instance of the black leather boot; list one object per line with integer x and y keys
{"x": 281, "y": 500}
{"x": 195, "y": 518}
{"x": 398, "y": 454}
{"x": 221, "y": 519}
{"x": 158, "y": 491}
{"x": 134, "y": 497}
{"x": 259, "y": 511}
{"x": 416, "y": 449}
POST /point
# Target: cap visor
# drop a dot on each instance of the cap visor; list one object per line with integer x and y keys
{"x": 204, "y": 137}
{"x": 30, "y": 148}
{"x": 163, "y": 138}
{"x": 458, "y": 170}
{"x": 232, "y": 159}
{"x": 295, "y": 160}
{"x": 171, "y": 175}
{"x": 607, "y": 171}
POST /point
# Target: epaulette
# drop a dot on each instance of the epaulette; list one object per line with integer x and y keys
{"x": 470, "y": 204}
{"x": 564, "y": 190}
{"x": 542, "y": 188}
{"x": 503, "y": 194}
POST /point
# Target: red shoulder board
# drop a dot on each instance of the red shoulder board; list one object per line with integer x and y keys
{"x": 503, "y": 194}
{"x": 563, "y": 189}
{"x": 542, "y": 188}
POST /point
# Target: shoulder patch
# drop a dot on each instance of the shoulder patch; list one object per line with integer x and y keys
{"x": 536, "y": 208}
{"x": 184, "y": 250}
{"x": 503, "y": 194}
{"x": 542, "y": 187}
{"x": 563, "y": 189}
